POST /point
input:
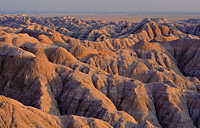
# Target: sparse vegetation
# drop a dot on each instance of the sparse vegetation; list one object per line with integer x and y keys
{"x": 198, "y": 88}
{"x": 99, "y": 72}
{"x": 125, "y": 26}
{"x": 23, "y": 47}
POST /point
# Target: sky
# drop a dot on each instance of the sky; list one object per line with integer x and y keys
{"x": 158, "y": 6}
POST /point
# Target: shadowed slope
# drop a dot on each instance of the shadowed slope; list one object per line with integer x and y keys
{"x": 77, "y": 73}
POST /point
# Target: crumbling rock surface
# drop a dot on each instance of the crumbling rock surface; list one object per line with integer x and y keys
{"x": 65, "y": 72}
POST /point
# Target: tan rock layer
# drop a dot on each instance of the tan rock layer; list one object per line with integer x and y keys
{"x": 114, "y": 77}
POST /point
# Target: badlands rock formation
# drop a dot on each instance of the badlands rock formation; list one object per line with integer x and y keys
{"x": 64, "y": 72}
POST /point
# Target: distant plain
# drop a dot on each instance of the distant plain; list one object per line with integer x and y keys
{"x": 125, "y": 17}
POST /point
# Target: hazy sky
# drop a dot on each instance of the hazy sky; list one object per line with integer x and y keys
{"x": 101, "y": 5}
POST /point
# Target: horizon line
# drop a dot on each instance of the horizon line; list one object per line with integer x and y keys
{"x": 95, "y": 12}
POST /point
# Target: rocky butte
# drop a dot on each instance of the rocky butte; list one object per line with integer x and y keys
{"x": 63, "y": 72}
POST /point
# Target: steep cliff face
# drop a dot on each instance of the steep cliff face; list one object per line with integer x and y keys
{"x": 137, "y": 75}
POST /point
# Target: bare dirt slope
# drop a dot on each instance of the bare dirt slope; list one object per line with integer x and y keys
{"x": 66, "y": 72}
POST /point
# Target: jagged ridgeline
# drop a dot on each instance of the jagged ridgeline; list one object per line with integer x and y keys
{"x": 65, "y": 72}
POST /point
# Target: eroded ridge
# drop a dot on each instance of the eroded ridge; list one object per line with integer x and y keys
{"x": 65, "y": 72}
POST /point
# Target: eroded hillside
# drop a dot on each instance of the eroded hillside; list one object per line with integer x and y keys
{"x": 64, "y": 72}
